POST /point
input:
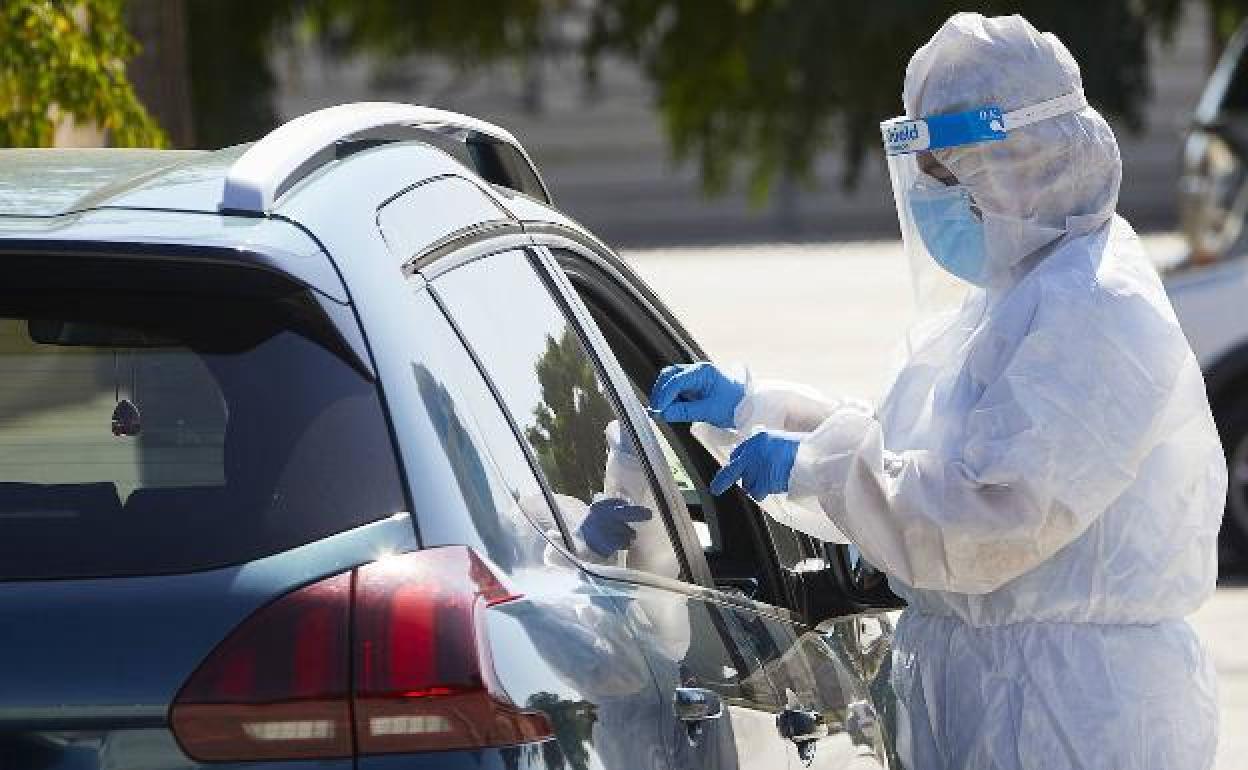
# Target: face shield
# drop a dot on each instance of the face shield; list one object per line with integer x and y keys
{"x": 948, "y": 236}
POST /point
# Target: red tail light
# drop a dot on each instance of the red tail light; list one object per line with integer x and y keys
{"x": 424, "y": 680}
{"x": 279, "y": 687}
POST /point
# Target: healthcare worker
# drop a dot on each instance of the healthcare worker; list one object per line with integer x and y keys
{"x": 1042, "y": 480}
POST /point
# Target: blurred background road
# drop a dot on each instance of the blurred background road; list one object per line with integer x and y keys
{"x": 830, "y": 316}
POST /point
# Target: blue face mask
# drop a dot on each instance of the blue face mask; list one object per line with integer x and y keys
{"x": 952, "y": 232}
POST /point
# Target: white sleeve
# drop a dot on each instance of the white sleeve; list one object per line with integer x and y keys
{"x": 1046, "y": 449}
{"x": 778, "y": 405}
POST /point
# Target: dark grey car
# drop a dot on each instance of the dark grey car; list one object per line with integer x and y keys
{"x": 296, "y": 439}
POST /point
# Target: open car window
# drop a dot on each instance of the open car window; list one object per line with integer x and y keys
{"x": 741, "y": 545}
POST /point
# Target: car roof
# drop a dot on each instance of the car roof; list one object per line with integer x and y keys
{"x": 40, "y": 184}
{"x": 196, "y": 202}
{"x": 54, "y": 182}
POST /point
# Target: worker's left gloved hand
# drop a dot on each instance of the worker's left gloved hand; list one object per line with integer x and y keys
{"x": 762, "y": 463}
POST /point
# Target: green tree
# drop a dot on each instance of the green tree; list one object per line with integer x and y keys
{"x": 763, "y": 86}
{"x": 748, "y": 90}
{"x": 232, "y": 82}
{"x": 759, "y": 88}
{"x": 568, "y": 433}
{"x": 68, "y": 58}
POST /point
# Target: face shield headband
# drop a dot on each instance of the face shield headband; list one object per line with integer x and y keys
{"x": 904, "y": 135}
{"x": 952, "y": 244}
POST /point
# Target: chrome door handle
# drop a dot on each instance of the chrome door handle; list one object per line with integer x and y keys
{"x": 695, "y": 704}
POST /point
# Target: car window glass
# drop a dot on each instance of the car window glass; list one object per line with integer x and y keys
{"x": 139, "y": 434}
{"x": 735, "y": 536}
{"x": 492, "y": 472}
{"x": 552, "y": 388}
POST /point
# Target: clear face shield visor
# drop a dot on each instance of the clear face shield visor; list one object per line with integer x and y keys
{"x": 944, "y": 230}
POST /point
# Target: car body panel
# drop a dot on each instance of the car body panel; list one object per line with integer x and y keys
{"x": 89, "y": 683}
{"x": 601, "y": 651}
{"x": 531, "y": 756}
{"x": 43, "y": 183}
{"x": 269, "y": 244}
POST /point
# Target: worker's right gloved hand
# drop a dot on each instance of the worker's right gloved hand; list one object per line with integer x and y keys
{"x": 697, "y": 392}
{"x": 607, "y": 527}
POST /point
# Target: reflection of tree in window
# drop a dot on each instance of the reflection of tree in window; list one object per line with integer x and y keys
{"x": 568, "y": 431}
{"x": 573, "y": 722}
{"x": 469, "y": 467}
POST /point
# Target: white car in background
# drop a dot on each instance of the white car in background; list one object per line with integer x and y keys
{"x": 1209, "y": 285}
{"x": 1212, "y": 306}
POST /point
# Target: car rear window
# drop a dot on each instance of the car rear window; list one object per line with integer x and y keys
{"x": 151, "y": 432}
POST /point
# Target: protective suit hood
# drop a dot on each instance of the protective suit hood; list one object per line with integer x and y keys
{"x": 1051, "y": 178}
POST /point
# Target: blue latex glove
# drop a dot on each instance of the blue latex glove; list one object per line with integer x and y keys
{"x": 696, "y": 393}
{"x": 762, "y": 462}
{"x": 606, "y": 528}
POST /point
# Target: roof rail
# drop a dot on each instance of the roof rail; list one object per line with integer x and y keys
{"x": 291, "y": 151}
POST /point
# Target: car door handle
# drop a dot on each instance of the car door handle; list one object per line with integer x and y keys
{"x": 695, "y": 704}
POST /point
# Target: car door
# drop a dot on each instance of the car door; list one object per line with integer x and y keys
{"x": 830, "y": 678}
{"x": 718, "y": 704}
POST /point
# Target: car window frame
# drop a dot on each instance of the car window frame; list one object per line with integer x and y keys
{"x": 603, "y": 267}
{"x": 630, "y": 409}
{"x": 604, "y": 262}
{"x": 453, "y": 260}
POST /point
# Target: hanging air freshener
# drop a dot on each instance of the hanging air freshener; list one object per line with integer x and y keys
{"x": 126, "y": 418}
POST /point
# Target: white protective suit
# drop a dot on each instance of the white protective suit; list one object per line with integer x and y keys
{"x": 1042, "y": 481}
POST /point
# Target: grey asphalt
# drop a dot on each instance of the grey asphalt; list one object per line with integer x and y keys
{"x": 831, "y": 315}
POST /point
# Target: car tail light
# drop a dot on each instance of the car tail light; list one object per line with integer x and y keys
{"x": 408, "y": 630}
{"x": 424, "y": 678}
{"x": 277, "y": 687}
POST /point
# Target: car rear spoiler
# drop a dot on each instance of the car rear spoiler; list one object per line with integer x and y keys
{"x": 295, "y": 149}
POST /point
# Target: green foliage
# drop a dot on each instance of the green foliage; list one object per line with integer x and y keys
{"x": 68, "y": 57}
{"x": 759, "y": 87}
{"x": 747, "y": 89}
{"x": 467, "y": 33}
{"x": 1225, "y": 16}
{"x": 568, "y": 434}
{"x": 766, "y": 85}
{"x": 232, "y": 83}
{"x": 232, "y": 80}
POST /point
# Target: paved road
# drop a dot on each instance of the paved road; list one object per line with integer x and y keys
{"x": 831, "y": 315}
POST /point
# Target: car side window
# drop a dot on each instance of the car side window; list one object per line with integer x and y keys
{"x": 740, "y": 544}
{"x": 552, "y": 388}
{"x": 491, "y": 470}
